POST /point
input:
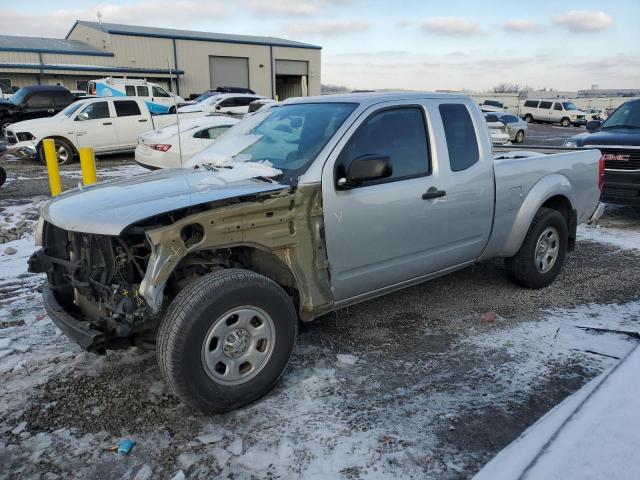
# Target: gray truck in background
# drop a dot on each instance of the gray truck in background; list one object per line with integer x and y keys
{"x": 303, "y": 208}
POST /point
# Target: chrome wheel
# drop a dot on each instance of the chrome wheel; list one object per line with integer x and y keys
{"x": 3, "y": 128}
{"x": 519, "y": 136}
{"x": 547, "y": 248}
{"x": 62, "y": 154}
{"x": 238, "y": 345}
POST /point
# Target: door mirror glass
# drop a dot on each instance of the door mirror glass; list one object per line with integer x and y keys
{"x": 366, "y": 168}
{"x": 82, "y": 116}
{"x": 218, "y": 107}
{"x": 593, "y": 125}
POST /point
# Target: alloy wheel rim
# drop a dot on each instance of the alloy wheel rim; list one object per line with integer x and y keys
{"x": 238, "y": 345}
{"x": 547, "y": 249}
{"x": 62, "y": 154}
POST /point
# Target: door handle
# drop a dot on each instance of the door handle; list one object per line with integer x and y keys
{"x": 432, "y": 193}
{"x": 107, "y": 123}
{"x": 142, "y": 120}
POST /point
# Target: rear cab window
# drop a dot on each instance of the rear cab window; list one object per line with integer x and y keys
{"x": 460, "y": 134}
{"x": 126, "y": 108}
{"x": 399, "y": 133}
{"x": 545, "y": 105}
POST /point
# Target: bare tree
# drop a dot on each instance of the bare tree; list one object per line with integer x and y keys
{"x": 330, "y": 88}
{"x": 506, "y": 88}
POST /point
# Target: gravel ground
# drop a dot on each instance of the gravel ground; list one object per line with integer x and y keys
{"x": 429, "y": 382}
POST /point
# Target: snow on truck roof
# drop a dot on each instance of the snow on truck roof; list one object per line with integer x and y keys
{"x": 374, "y": 97}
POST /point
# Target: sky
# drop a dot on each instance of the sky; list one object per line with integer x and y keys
{"x": 411, "y": 44}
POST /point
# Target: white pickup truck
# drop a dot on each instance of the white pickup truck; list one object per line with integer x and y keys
{"x": 109, "y": 125}
{"x": 306, "y": 207}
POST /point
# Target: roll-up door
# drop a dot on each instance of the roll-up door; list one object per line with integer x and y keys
{"x": 229, "y": 72}
{"x": 291, "y": 67}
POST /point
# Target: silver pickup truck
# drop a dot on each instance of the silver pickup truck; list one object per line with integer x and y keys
{"x": 304, "y": 208}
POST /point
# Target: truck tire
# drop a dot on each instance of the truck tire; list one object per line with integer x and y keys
{"x": 3, "y": 176}
{"x": 226, "y": 339}
{"x": 65, "y": 152}
{"x": 528, "y": 118}
{"x": 4, "y": 124}
{"x": 543, "y": 251}
{"x": 565, "y": 122}
{"x": 519, "y": 137}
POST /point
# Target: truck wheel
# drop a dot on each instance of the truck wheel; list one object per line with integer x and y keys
{"x": 519, "y": 136}
{"x": 226, "y": 339}
{"x": 543, "y": 251}
{"x": 4, "y": 124}
{"x": 565, "y": 122}
{"x": 3, "y": 176}
{"x": 64, "y": 152}
{"x": 528, "y": 118}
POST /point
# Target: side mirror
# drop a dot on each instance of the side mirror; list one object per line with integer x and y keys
{"x": 366, "y": 168}
{"x": 82, "y": 116}
{"x": 593, "y": 125}
{"x": 218, "y": 107}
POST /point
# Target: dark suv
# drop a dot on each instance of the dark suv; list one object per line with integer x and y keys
{"x": 36, "y": 101}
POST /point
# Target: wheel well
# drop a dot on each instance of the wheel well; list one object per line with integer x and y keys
{"x": 59, "y": 137}
{"x": 563, "y": 205}
{"x": 245, "y": 257}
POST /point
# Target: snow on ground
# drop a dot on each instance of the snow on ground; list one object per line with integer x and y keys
{"x": 335, "y": 414}
{"x": 621, "y": 238}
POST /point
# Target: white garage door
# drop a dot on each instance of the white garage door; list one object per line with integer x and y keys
{"x": 229, "y": 72}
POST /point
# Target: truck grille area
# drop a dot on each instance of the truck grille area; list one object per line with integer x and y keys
{"x": 621, "y": 159}
{"x": 95, "y": 278}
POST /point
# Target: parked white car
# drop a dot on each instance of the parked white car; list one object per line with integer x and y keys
{"x": 108, "y": 125}
{"x": 157, "y": 98}
{"x": 170, "y": 147}
{"x": 559, "y": 111}
{"x": 231, "y": 103}
{"x": 492, "y": 106}
{"x": 497, "y": 130}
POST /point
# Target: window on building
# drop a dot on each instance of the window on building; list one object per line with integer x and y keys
{"x": 142, "y": 91}
{"x": 462, "y": 143}
{"x": 159, "y": 92}
{"x": 127, "y": 108}
{"x": 5, "y": 84}
{"x": 400, "y": 134}
{"x": 130, "y": 90}
{"x": 97, "y": 110}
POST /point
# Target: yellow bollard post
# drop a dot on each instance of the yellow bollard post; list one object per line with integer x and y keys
{"x": 52, "y": 166}
{"x": 88, "y": 166}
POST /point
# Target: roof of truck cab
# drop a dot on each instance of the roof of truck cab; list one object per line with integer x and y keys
{"x": 374, "y": 97}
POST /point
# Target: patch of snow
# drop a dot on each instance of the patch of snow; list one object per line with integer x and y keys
{"x": 178, "y": 476}
{"x": 222, "y": 456}
{"x": 622, "y": 238}
{"x": 145, "y": 473}
{"x": 210, "y": 438}
{"x": 235, "y": 446}
{"x": 347, "y": 359}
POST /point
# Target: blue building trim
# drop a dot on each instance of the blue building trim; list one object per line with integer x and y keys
{"x": 57, "y": 52}
{"x": 86, "y": 68}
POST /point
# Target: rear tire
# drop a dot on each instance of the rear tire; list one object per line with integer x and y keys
{"x": 542, "y": 254}
{"x": 216, "y": 326}
{"x": 4, "y": 124}
{"x": 65, "y": 152}
{"x": 528, "y": 118}
{"x": 3, "y": 176}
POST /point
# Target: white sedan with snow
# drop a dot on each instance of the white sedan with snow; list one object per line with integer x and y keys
{"x": 231, "y": 103}
{"x": 171, "y": 148}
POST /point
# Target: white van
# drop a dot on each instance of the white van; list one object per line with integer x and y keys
{"x": 559, "y": 111}
{"x": 158, "y": 99}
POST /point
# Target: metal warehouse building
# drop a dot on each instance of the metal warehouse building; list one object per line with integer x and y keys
{"x": 185, "y": 61}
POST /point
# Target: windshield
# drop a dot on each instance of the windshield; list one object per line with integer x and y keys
{"x": 287, "y": 137}
{"x": 569, "y": 106}
{"x": 204, "y": 96}
{"x": 71, "y": 109}
{"x": 18, "y": 97}
{"x": 627, "y": 116}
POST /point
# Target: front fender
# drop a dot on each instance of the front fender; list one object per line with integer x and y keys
{"x": 547, "y": 187}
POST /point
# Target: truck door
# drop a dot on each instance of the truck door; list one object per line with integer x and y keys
{"x": 406, "y": 226}
{"x": 557, "y": 113}
{"x": 545, "y": 111}
{"x": 93, "y": 127}
{"x": 131, "y": 122}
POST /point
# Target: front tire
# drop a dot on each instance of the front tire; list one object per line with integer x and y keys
{"x": 519, "y": 136}
{"x": 3, "y": 176}
{"x": 4, "y": 124}
{"x": 528, "y": 118}
{"x": 65, "y": 152}
{"x": 226, "y": 339}
{"x": 565, "y": 122}
{"x": 542, "y": 254}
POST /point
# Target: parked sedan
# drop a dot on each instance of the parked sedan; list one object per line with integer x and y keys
{"x": 497, "y": 130}
{"x": 516, "y": 127}
{"x": 166, "y": 148}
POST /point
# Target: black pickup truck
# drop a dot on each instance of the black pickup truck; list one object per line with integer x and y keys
{"x": 618, "y": 138}
{"x": 36, "y": 101}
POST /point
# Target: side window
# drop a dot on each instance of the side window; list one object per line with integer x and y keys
{"x": 130, "y": 90}
{"x": 39, "y": 101}
{"x": 243, "y": 101}
{"x": 557, "y": 106}
{"x": 545, "y": 105}
{"x": 97, "y": 110}
{"x": 229, "y": 102}
{"x": 126, "y": 108}
{"x": 61, "y": 99}
{"x": 462, "y": 142}
{"x": 159, "y": 92}
{"x": 142, "y": 91}
{"x": 399, "y": 133}
{"x": 211, "y": 133}
{"x": 531, "y": 103}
